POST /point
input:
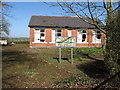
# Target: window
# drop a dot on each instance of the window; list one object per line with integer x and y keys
{"x": 96, "y": 36}
{"x": 56, "y": 33}
{"x": 69, "y": 33}
{"x": 39, "y": 35}
{"x": 42, "y": 35}
{"x": 82, "y": 36}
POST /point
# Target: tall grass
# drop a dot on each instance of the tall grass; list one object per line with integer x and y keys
{"x": 88, "y": 51}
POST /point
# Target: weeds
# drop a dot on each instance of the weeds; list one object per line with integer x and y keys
{"x": 53, "y": 77}
{"x": 79, "y": 58}
{"x": 76, "y": 80}
{"x": 30, "y": 73}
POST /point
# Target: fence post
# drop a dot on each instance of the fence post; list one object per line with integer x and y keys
{"x": 59, "y": 55}
{"x": 71, "y": 55}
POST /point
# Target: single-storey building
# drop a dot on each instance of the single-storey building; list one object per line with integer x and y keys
{"x": 45, "y": 29}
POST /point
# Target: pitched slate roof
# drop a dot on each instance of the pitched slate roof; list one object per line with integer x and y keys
{"x": 59, "y": 21}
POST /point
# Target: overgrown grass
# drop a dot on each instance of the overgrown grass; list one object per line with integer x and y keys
{"x": 81, "y": 54}
{"x": 85, "y": 50}
{"x": 88, "y": 51}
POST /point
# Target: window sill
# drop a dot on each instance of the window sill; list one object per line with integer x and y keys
{"x": 39, "y": 42}
{"x": 81, "y": 42}
{"x": 97, "y": 42}
{"x": 52, "y": 42}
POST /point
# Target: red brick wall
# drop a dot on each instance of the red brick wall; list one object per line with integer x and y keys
{"x": 89, "y": 35}
{"x": 48, "y": 37}
{"x": 74, "y": 34}
{"x": 103, "y": 38}
{"x": 31, "y": 36}
{"x": 64, "y": 32}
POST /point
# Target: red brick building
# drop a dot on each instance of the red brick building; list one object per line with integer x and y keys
{"x": 44, "y": 30}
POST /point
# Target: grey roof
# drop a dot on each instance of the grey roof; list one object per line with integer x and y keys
{"x": 59, "y": 21}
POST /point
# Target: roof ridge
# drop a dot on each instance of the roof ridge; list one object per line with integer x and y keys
{"x": 56, "y": 16}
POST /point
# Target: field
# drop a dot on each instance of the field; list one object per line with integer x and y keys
{"x": 24, "y": 67}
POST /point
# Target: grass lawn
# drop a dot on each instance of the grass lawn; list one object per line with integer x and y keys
{"x": 23, "y": 67}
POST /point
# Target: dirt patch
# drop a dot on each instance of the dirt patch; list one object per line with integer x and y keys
{"x": 39, "y": 68}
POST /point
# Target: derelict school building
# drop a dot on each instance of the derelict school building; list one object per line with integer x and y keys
{"x": 45, "y": 29}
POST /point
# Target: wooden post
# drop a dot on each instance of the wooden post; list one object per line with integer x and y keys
{"x": 59, "y": 55}
{"x": 71, "y": 55}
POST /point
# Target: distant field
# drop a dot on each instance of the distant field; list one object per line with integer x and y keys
{"x": 24, "y": 67}
{"x": 19, "y": 39}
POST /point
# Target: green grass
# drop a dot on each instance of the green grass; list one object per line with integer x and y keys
{"x": 88, "y": 51}
{"x": 30, "y": 73}
{"x": 78, "y": 58}
{"x": 85, "y": 50}
{"x": 53, "y": 77}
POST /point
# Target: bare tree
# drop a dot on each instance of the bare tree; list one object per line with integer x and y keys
{"x": 97, "y": 11}
{"x": 4, "y": 24}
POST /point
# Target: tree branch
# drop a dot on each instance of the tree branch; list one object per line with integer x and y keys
{"x": 77, "y": 14}
{"x": 82, "y": 11}
{"x": 96, "y": 25}
{"x": 115, "y": 8}
{"x": 105, "y": 5}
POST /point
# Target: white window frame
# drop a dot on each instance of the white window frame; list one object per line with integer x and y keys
{"x": 79, "y": 36}
{"x": 35, "y": 41}
{"x": 69, "y": 33}
{"x": 53, "y": 36}
{"x": 94, "y": 37}
{"x": 54, "y": 33}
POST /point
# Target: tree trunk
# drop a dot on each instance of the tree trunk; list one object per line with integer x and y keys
{"x": 112, "y": 57}
{"x": 112, "y": 52}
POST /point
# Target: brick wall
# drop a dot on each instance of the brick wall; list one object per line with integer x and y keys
{"x": 48, "y": 38}
{"x": 64, "y": 32}
{"x": 31, "y": 36}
